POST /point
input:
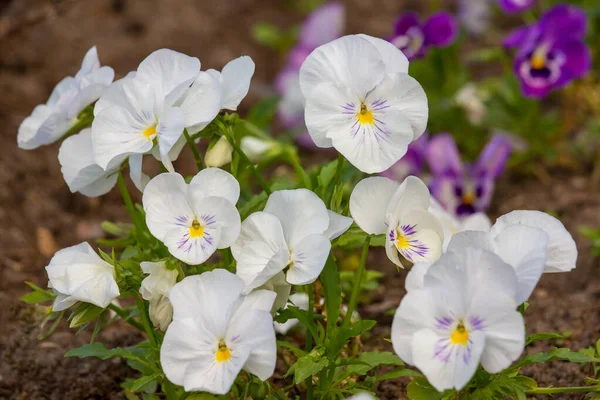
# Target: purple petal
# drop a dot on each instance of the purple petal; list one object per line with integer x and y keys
{"x": 442, "y": 156}
{"x": 578, "y": 59}
{"x": 517, "y": 37}
{"x": 493, "y": 158}
{"x": 515, "y": 6}
{"x": 440, "y": 29}
{"x": 564, "y": 21}
{"x": 405, "y": 22}
{"x": 323, "y": 25}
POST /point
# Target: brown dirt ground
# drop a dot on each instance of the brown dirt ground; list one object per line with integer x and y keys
{"x": 41, "y": 41}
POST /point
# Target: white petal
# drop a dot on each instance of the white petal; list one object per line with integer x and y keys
{"x": 324, "y": 111}
{"x": 219, "y": 154}
{"x": 411, "y": 195}
{"x": 350, "y": 60}
{"x": 300, "y": 211}
{"x": 216, "y": 293}
{"x": 92, "y": 283}
{"x": 416, "y": 275}
{"x": 260, "y": 227}
{"x": 309, "y": 256}
{"x": 169, "y": 72}
{"x": 405, "y": 95}
{"x": 395, "y": 61}
{"x": 61, "y": 88}
{"x": 159, "y": 281}
{"x": 562, "y": 250}
{"x": 201, "y": 103}
{"x": 505, "y": 340}
{"x": 524, "y": 248}
{"x": 338, "y": 224}
{"x": 457, "y": 370}
{"x": 255, "y": 331}
{"x": 476, "y": 222}
{"x": 219, "y": 212}
{"x": 169, "y": 130}
{"x": 236, "y": 81}
{"x": 165, "y": 204}
{"x": 139, "y": 179}
{"x": 217, "y": 182}
{"x": 422, "y": 234}
{"x": 79, "y": 169}
{"x": 206, "y": 375}
{"x": 27, "y": 134}
{"x": 89, "y": 64}
{"x": 62, "y": 302}
{"x": 279, "y": 285}
{"x": 257, "y": 263}
{"x": 64, "y": 257}
{"x": 461, "y": 240}
{"x": 190, "y": 250}
{"x": 369, "y": 201}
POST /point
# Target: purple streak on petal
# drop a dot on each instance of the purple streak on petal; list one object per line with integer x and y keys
{"x": 442, "y": 156}
{"x": 515, "y": 6}
{"x": 442, "y": 350}
{"x": 392, "y": 236}
{"x": 440, "y": 29}
{"x": 182, "y": 221}
{"x": 443, "y": 322}
{"x": 477, "y": 323}
{"x": 493, "y": 158}
{"x": 323, "y": 25}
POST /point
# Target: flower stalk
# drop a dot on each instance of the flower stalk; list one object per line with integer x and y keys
{"x": 358, "y": 277}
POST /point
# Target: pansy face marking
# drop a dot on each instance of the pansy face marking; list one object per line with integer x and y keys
{"x": 223, "y": 354}
{"x": 408, "y": 245}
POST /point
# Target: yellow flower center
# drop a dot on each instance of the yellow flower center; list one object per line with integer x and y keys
{"x": 468, "y": 198}
{"x": 402, "y": 242}
{"x": 538, "y": 62}
{"x": 196, "y": 230}
{"x": 149, "y": 132}
{"x": 365, "y": 116}
{"x": 460, "y": 335}
{"x": 223, "y": 353}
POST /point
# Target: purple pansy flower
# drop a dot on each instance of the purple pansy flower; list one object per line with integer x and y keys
{"x": 414, "y": 38}
{"x": 552, "y": 52}
{"x": 465, "y": 189}
{"x": 322, "y": 26}
{"x": 412, "y": 163}
{"x": 515, "y": 6}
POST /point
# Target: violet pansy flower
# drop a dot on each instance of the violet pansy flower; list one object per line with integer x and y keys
{"x": 515, "y": 6}
{"x": 552, "y": 52}
{"x": 412, "y": 163}
{"x": 414, "y": 38}
{"x": 465, "y": 189}
{"x": 322, "y": 26}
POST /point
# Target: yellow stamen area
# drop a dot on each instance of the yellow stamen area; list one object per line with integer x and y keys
{"x": 196, "y": 230}
{"x": 365, "y": 116}
{"x": 468, "y": 198}
{"x": 149, "y": 132}
{"x": 460, "y": 335}
{"x": 538, "y": 62}
{"x": 402, "y": 242}
{"x": 223, "y": 353}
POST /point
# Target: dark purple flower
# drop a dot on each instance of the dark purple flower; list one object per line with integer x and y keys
{"x": 552, "y": 52}
{"x": 322, "y": 26}
{"x": 413, "y": 161}
{"x": 515, "y": 6}
{"x": 465, "y": 189}
{"x": 414, "y": 38}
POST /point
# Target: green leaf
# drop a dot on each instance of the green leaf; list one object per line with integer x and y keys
{"x": 262, "y": 114}
{"x": 420, "y": 389}
{"x": 84, "y": 314}
{"x": 326, "y": 175}
{"x": 291, "y": 347}
{"x": 91, "y": 350}
{"x": 144, "y": 382}
{"x": 309, "y": 365}
{"x": 543, "y": 336}
{"x": 337, "y": 342}
{"x": 557, "y": 354}
{"x": 372, "y": 359}
{"x": 397, "y": 373}
{"x": 301, "y": 315}
{"x": 37, "y": 296}
{"x": 254, "y": 204}
{"x": 330, "y": 278}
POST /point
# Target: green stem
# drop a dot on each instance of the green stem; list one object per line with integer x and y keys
{"x": 358, "y": 277}
{"x": 574, "y": 389}
{"x": 301, "y": 174}
{"x": 135, "y": 216}
{"x": 79, "y": 125}
{"x": 309, "y": 339}
{"x": 125, "y": 317}
{"x": 337, "y": 178}
{"x": 195, "y": 151}
{"x": 145, "y": 319}
{"x": 261, "y": 181}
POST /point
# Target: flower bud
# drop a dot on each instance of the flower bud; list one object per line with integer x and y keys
{"x": 219, "y": 154}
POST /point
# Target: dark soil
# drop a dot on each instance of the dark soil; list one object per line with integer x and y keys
{"x": 42, "y": 41}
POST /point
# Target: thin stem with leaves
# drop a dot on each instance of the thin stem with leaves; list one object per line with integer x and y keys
{"x": 358, "y": 277}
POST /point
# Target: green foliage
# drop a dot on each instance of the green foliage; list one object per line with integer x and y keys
{"x": 37, "y": 295}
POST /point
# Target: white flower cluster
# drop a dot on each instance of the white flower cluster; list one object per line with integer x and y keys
{"x": 467, "y": 279}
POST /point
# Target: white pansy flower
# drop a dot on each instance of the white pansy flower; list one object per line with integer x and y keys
{"x": 464, "y": 315}
{"x": 214, "y": 91}
{"x": 381, "y": 206}
{"x": 141, "y": 109}
{"x": 80, "y": 171}
{"x": 361, "y": 100}
{"x": 452, "y": 224}
{"x": 294, "y": 230}
{"x": 362, "y": 396}
{"x": 216, "y": 332}
{"x": 155, "y": 288}
{"x": 77, "y": 273}
{"x": 193, "y": 220}
{"x": 299, "y": 300}
{"x": 48, "y": 122}
{"x": 220, "y": 154}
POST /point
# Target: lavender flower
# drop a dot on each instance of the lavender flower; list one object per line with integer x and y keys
{"x": 322, "y": 26}
{"x": 412, "y": 163}
{"x": 465, "y": 189}
{"x": 414, "y": 38}
{"x": 552, "y": 52}
{"x": 515, "y": 6}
